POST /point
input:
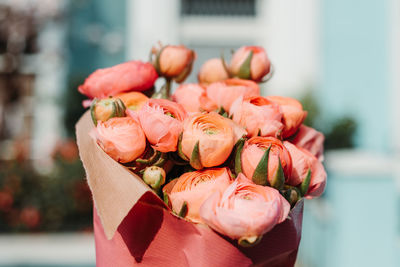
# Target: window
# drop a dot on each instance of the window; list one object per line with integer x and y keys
{"x": 218, "y": 7}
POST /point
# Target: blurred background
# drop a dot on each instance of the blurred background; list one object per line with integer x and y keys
{"x": 341, "y": 58}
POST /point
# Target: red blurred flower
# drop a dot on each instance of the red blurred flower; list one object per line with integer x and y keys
{"x": 67, "y": 149}
{"x": 6, "y": 201}
{"x": 30, "y": 217}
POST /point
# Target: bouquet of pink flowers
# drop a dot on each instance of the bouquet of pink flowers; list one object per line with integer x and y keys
{"x": 213, "y": 175}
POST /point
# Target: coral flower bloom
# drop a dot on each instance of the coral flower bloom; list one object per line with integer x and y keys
{"x": 310, "y": 139}
{"x": 195, "y": 187}
{"x": 189, "y": 96}
{"x": 259, "y": 66}
{"x": 258, "y": 115}
{"x": 161, "y": 121}
{"x": 303, "y": 162}
{"x": 224, "y": 93}
{"x": 128, "y": 76}
{"x": 293, "y": 113}
{"x": 253, "y": 151}
{"x": 121, "y": 138}
{"x": 244, "y": 210}
{"x": 214, "y": 136}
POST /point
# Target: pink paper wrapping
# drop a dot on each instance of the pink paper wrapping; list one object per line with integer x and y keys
{"x": 132, "y": 225}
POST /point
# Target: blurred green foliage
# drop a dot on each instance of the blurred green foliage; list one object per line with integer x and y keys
{"x": 57, "y": 201}
{"x": 339, "y": 132}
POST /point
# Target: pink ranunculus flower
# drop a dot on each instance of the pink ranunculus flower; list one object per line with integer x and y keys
{"x": 122, "y": 138}
{"x": 304, "y": 161}
{"x": 214, "y": 135}
{"x": 292, "y": 111}
{"x": 310, "y": 139}
{"x": 161, "y": 121}
{"x": 224, "y": 93}
{"x": 253, "y": 151}
{"x": 258, "y": 115}
{"x": 244, "y": 210}
{"x": 195, "y": 187}
{"x": 260, "y": 64}
{"x": 212, "y": 71}
{"x": 189, "y": 96}
{"x": 128, "y": 76}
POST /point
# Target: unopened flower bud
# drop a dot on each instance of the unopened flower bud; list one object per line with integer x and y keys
{"x": 174, "y": 62}
{"x": 154, "y": 176}
{"x": 251, "y": 63}
{"x": 213, "y": 70}
{"x": 292, "y": 194}
{"x": 133, "y": 100}
{"x": 249, "y": 241}
{"x": 105, "y": 109}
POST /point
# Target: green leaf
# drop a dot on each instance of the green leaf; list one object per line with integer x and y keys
{"x": 305, "y": 184}
{"x": 245, "y": 69}
{"x": 279, "y": 179}
{"x": 195, "y": 158}
{"x": 184, "y": 210}
{"x": 260, "y": 175}
{"x": 238, "y": 161}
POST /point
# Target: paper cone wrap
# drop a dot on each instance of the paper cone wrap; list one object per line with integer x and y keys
{"x": 132, "y": 225}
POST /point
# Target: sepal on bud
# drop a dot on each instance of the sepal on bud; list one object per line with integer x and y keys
{"x": 305, "y": 184}
{"x": 238, "y": 161}
{"x": 180, "y": 152}
{"x": 260, "y": 175}
{"x": 225, "y": 65}
{"x": 245, "y": 68}
{"x": 279, "y": 178}
{"x": 105, "y": 109}
{"x": 195, "y": 158}
{"x": 184, "y": 210}
{"x": 269, "y": 75}
{"x": 155, "y": 57}
{"x": 185, "y": 73}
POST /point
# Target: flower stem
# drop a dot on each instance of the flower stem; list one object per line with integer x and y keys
{"x": 167, "y": 87}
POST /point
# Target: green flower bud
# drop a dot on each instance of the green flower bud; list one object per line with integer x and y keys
{"x": 105, "y": 109}
{"x": 154, "y": 176}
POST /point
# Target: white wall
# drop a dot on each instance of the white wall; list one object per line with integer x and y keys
{"x": 148, "y": 22}
{"x": 288, "y": 29}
